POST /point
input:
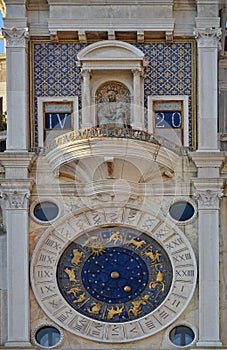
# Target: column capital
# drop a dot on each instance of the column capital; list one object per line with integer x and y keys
{"x": 208, "y": 199}
{"x": 208, "y": 193}
{"x": 16, "y": 199}
{"x": 85, "y": 72}
{"x": 15, "y": 37}
{"x": 136, "y": 71}
{"x": 208, "y": 37}
{"x": 16, "y": 194}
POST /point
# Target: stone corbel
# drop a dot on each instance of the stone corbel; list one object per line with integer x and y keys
{"x": 111, "y": 35}
{"x": 54, "y": 38}
{"x": 82, "y": 36}
{"x": 15, "y": 37}
{"x": 208, "y": 37}
{"x": 169, "y": 37}
{"x": 140, "y": 36}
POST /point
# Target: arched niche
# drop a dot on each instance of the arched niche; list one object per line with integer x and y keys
{"x": 107, "y": 61}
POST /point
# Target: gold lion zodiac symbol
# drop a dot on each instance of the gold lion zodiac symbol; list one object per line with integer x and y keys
{"x": 137, "y": 244}
{"x": 112, "y": 312}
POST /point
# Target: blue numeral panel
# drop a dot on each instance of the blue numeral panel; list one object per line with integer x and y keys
{"x": 168, "y": 120}
{"x": 58, "y": 121}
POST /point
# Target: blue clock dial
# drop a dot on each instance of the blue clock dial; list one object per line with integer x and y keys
{"x": 114, "y": 274}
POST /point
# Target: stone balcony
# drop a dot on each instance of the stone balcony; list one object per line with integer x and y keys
{"x": 122, "y": 153}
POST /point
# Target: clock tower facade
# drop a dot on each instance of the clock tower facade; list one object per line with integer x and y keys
{"x": 113, "y": 193}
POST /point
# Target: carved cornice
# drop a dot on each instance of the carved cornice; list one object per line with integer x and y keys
{"x": 208, "y": 159}
{"x": 208, "y": 37}
{"x": 15, "y": 37}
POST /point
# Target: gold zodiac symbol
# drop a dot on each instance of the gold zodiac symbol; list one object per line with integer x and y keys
{"x": 94, "y": 309}
{"x": 71, "y": 274}
{"x": 137, "y": 305}
{"x": 116, "y": 237}
{"x": 155, "y": 257}
{"x": 112, "y": 312}
{"x": 90, "y": 241}
{"x": 95, "y": 245}
{"x": 159, "y": 280}
{"x": 77, "y": 256}
{"x": 80, "y": 298}
{"x": 74, "y": 291}
{"x": 137, "y": 244}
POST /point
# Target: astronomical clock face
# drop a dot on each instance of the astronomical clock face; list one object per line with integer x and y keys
{"x": 113, "y": 275}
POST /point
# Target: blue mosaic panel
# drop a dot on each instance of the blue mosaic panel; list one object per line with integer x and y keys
{"x": 55, "y": 73}
{"x": 169, "y": 72}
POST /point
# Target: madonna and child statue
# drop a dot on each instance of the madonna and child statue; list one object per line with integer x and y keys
{"x": 113, "y": 105}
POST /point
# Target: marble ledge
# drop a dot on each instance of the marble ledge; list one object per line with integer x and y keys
{"x": 107, "y": 348}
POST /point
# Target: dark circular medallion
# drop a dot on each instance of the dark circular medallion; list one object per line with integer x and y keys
{"x": 106, "y": 276}
{"x": 181, "y": 211}
{"x": 114, "y": 274}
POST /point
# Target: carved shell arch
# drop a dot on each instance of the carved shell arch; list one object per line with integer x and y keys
{"x": 121, "y": 90}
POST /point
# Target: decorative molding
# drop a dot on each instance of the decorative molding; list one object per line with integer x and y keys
{"x": 207, "y": 159}
{"x": 208, "y": 37}
{"x": 15, "y": 199}
{"x": 117, "y": 24}
{"x": 15, "y": 37}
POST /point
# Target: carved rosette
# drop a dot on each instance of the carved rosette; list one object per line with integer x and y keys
{"x": 208, "y": 37}
{"x": 208, "y": 199}
{"x": 16, "y": 199}
{"x": 15, "y": 37}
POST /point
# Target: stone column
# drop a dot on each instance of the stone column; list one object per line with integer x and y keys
{"x": 137, "y": 122}
{"x": 207, "y": 42}
{"x": 15, "y": 189}
{"x": 17, "y": 89}
{"x": 208, "y": 194}
{"x": 86, "y": 100}
{"x": 16, "y": 194}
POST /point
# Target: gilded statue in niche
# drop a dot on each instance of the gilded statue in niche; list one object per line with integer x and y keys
{"x": 113, "y": 104}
